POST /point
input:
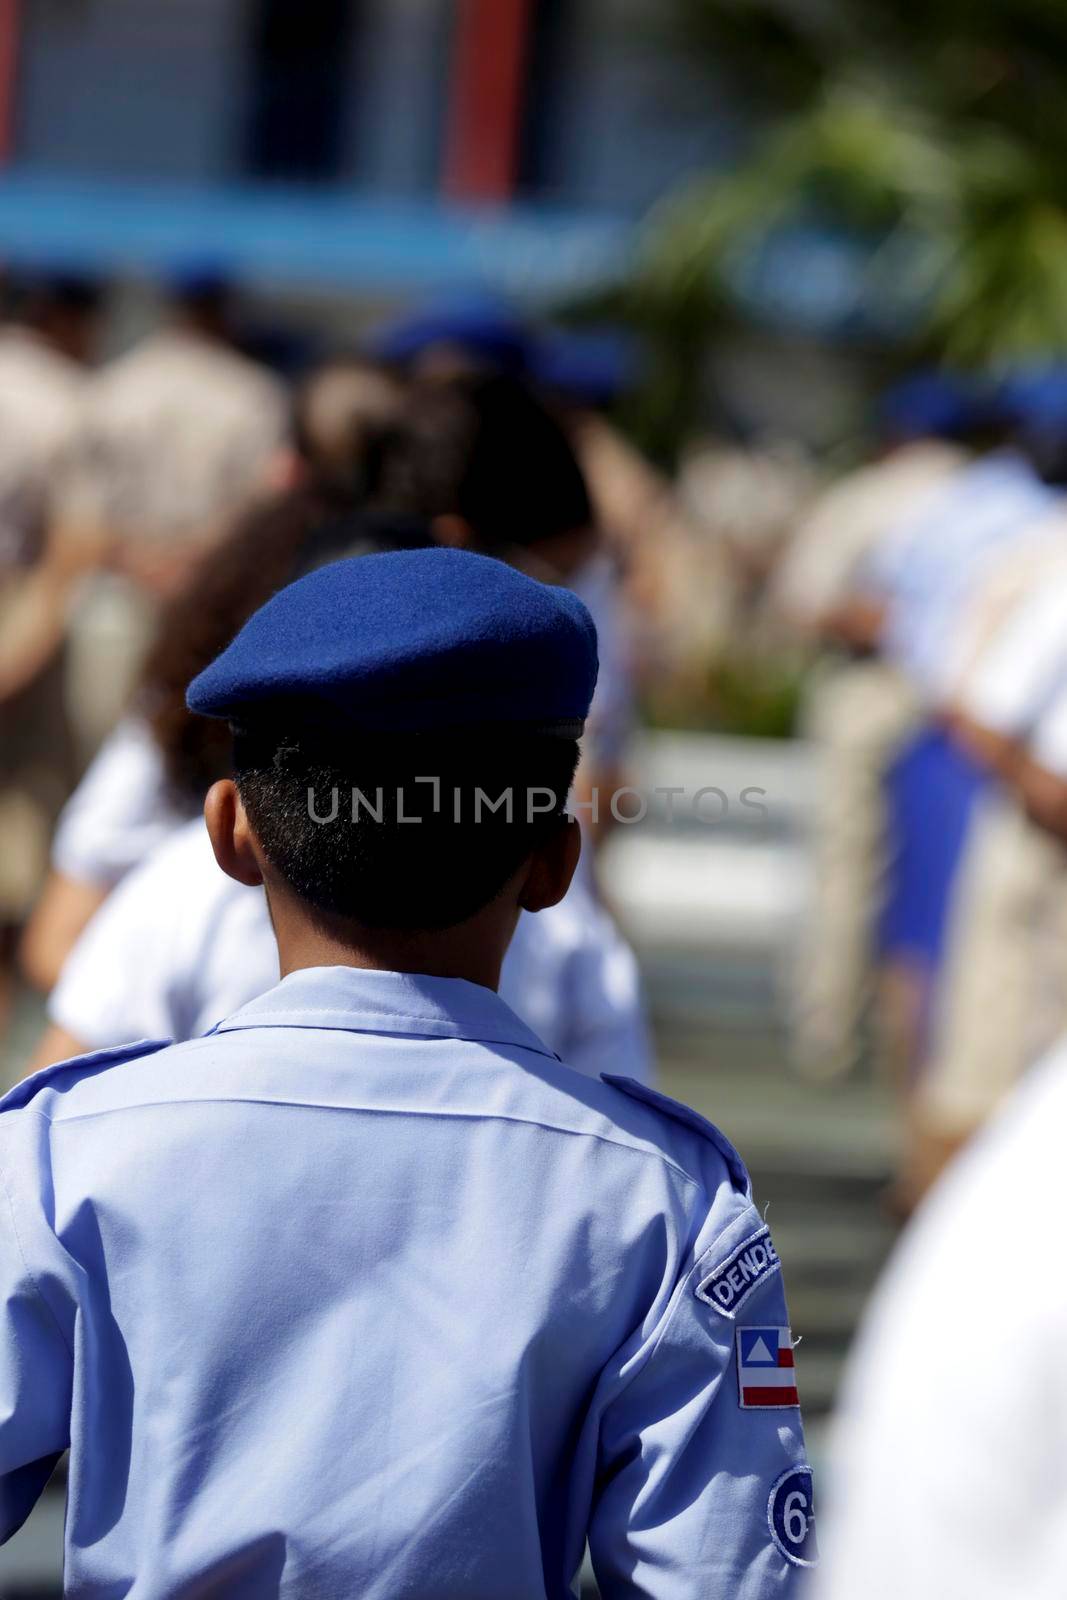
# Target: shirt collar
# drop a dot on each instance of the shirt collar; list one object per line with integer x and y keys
{"x": 356, "y": 1000}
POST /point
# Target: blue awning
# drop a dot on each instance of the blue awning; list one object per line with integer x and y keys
{"x": 301, "y": 238}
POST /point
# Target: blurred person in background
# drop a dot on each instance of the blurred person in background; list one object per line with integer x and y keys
{"x": 45, "y": 346}
{"x": 176, "y": 435}
{"x": 913, "y": 600}
{"x": 746, "y": 496}
{"x": 568, "y": 972}
{"x": 858, "y": 707}
{"x": 922, "y": 584}
{"x": 494, "y": 471}
{"x": 979, "y": 1510}
{"x": 678, "y": 569}
{"x": 1002, "y": 999}
{"x": 948, "y": 1479}
{"x": 922, "y": 424}
{"x": 674, "y": 583}
{"x": 131, "y": 796}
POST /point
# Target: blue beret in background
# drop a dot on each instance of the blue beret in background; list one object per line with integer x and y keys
{"x": 197, "y": 278}
{"x": 1036, "y": 396}
{"x": 592, "y": 366}
{"x": 480, "y": 323}
{"x": 931, "y": 404}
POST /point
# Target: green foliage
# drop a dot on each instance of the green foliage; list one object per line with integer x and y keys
{"x": 745, "y": 692}
{"x": 936, "y": 132}
{"x": 850, "y": 156}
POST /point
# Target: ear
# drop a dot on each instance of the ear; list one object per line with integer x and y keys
{"x": 552, "y": 867}
{"x": 230, "y": 833}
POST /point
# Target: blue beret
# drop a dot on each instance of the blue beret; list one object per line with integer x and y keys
{"x": 409, "y": 641}
{"x": 1035, "y": 397}
{"x": 930, "y": 403}
{"x": 197, "y": 278}
{"x": 586, "y": 364}
{"x": 481, "y": 324}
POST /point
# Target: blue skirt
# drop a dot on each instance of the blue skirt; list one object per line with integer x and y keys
{"x": 931, "y": 790}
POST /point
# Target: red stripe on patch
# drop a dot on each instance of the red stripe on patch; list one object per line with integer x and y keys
{"x": 785, "y": 1357}
{"x": 770, "y": 1397}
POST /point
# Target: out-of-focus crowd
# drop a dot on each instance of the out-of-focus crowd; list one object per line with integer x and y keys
{"x": 935, "y": 578}
{"x": 150, "y": 503}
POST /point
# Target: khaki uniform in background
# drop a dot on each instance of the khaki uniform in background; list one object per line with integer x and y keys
{"x": 1003, "y": 1000}
{"x": 41, "y": 393}
{"x": 40, "y": 397}
{"x": 678, "y": 585}
{"x": 175, "y": 436}
{"x": 858, "y": 713}
{"x": 746, "y": 501}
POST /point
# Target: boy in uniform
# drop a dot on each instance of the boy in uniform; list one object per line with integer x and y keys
{"x": 365, "y": 1292}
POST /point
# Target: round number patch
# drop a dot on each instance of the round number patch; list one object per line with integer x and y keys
{"x": 791, "y": 1517}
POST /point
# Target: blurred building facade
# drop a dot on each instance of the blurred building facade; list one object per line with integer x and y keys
{"x": 584, "y": 108}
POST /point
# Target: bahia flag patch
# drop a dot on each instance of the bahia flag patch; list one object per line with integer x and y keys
{"x": 766, "y": 1373}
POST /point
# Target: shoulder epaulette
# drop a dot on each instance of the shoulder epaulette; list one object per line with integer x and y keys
{"x": 23, "y": 1092}
{"x": 684, "y": 1114}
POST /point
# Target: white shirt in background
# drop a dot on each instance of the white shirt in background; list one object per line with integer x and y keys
{"x": 1024, "y": 663}
{"x": 820, "y": 564}
{"x": 119, "y": 811}
{"x": 949, "y": 1476}
{"x": 934, "y": 564}
{"x": 1048, "y": 741}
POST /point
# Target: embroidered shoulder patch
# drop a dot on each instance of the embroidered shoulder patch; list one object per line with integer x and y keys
{"x": 791, "y": 1517}
{"x": 745, "y": 1268}
{"x": 766, "y": 1370}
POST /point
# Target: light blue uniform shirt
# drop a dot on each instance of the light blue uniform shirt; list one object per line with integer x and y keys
{"x": 931, "y": 566}
{"x": 365, "y": 1294}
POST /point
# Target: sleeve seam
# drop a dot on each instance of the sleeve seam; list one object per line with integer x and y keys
{"x": 31, "y": 1276}
{"x": 672, "y": 1307}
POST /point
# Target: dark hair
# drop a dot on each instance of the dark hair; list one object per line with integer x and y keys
{"x": 343, "y": 414}
{"x": 35, "y": 295}
{"x": 336, "y": 823}
{"x": 487, "y": 450}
